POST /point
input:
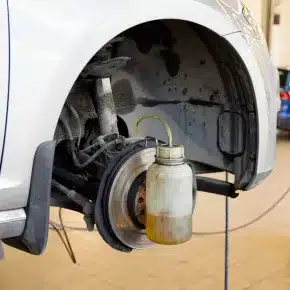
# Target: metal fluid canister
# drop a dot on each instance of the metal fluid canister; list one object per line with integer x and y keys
{"x": 169, "y": 195}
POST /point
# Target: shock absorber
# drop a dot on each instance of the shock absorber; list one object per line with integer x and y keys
{"x": 105, "y": 106}
{"x": 100, "y": 72}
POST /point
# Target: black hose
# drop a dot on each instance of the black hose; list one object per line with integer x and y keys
{"x": 249, "y": 223}
{"x": 96, "y": 154}
{"x": 90, "y": 159}
{"x": 58, "y": 227}
{"x": 234, "y": 229}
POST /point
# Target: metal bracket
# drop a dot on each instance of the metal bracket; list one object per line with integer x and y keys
{"x": 150, "y": 138}
{"x": 105, "y": 68}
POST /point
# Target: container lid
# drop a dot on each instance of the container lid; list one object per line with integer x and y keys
{"x": 170, "y": 155}
{"x": 166, "y": 152}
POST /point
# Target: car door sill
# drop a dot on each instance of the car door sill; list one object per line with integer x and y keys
{"x": 12, "y": 223}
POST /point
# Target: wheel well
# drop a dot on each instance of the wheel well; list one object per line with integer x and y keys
{"x": 193, "y": 79}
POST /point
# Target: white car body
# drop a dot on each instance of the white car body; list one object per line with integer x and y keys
{"x": 44, "y": 45}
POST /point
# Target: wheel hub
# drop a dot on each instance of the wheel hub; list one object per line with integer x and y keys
{"x": 140, "y": 204}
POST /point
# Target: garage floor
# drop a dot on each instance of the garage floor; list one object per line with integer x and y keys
{"x": 259, "y": 255}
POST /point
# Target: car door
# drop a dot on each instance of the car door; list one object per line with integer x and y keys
{"x": 4, "y": 71}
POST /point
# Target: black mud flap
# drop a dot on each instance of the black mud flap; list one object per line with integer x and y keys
{"x": 34, "y": 237}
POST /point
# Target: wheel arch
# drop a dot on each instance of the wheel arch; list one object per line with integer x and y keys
{"x": 221, "y": 26}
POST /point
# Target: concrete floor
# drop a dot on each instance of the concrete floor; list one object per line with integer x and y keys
{"x": 259, "y": 255}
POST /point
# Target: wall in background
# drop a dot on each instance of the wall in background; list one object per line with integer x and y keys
{"x": 279, "y": 32}
{"x": 256, "y": 6}
{"x": 280, "y": 42}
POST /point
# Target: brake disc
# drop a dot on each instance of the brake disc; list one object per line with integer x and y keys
{"x": 120, "y": 204}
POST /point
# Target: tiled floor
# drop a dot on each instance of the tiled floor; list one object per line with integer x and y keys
{"x": 259, "y": 255}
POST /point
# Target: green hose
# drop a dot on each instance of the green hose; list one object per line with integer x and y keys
{"x": 167, "y": 128}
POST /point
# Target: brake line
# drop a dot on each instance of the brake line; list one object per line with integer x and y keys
{"x": 213, "y": 233}
{"x": 65, "y": 240}
{"x": 251, "y": 222}
{"x": 61, "y": 227}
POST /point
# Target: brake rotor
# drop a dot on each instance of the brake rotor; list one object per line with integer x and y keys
{"x": 120, "y": 207}
{"x": 126, "y": 222}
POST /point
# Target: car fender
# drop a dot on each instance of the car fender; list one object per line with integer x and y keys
{"x": 51, "y": 42}
{"x": 265, "y": 83}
